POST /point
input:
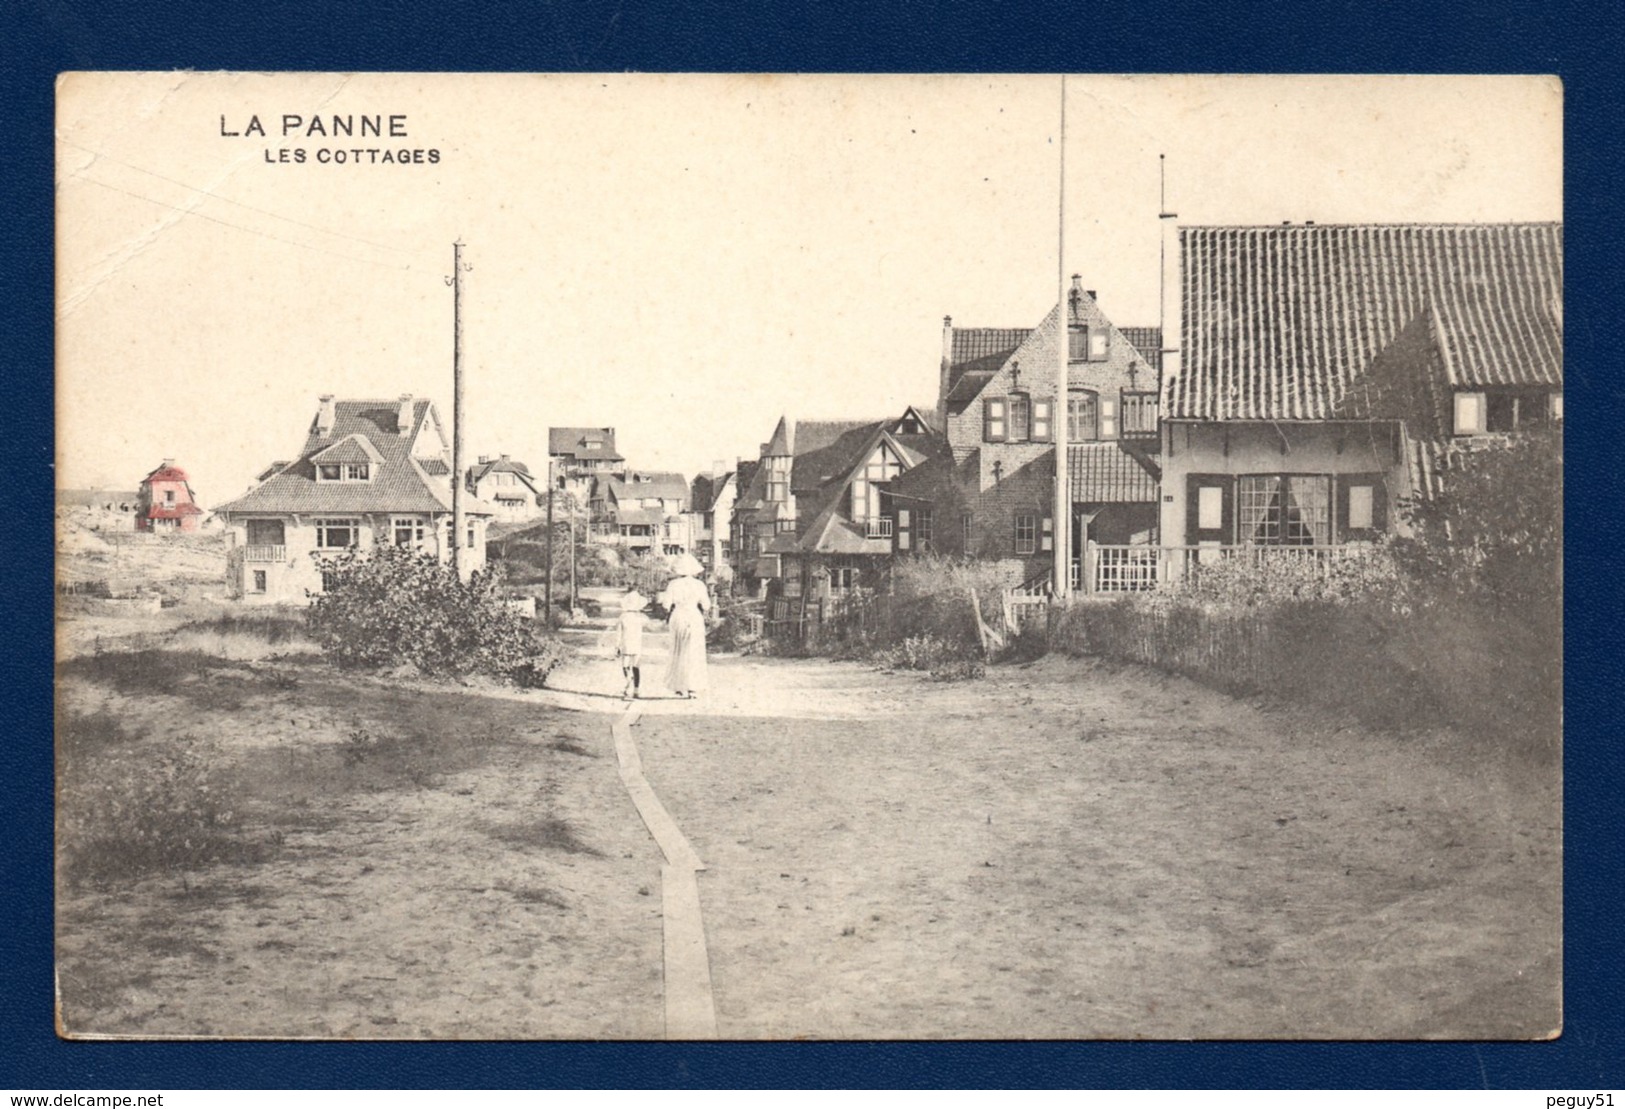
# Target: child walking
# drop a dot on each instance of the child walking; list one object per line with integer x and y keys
{"x": 629, "y": 642}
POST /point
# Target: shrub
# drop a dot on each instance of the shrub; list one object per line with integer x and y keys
{"x": 125, "y": 810}
{"x": 392, "y": 606}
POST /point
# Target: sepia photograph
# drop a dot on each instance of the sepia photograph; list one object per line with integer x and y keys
{"x": 808, "y": 557}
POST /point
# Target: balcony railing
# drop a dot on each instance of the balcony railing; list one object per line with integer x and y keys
{"x": 878, "y": 528}
{"x": 265, "y": 552}
{"x": 1114, "y": 568}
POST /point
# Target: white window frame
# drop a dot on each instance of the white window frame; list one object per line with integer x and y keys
{"x": 415, "y": 524}
{"x": 1108, "y": 417}
{"x": 335, "y": 523}
{"x": 1026, "y": 537}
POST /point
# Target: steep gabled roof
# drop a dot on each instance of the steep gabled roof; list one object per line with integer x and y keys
{"x": 399, "y": 482}
{"x": 1111, "y": 473}
{"x": 1278, "y": 322}
{"x": 166, "y": 472}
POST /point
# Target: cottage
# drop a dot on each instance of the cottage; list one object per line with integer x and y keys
{"x": 164, "y": 503}
{"x": 647, "y": 510}
{"x": 815, "y": 519}
{"x": 580, "y": 460}
{"x": 370, "y": 472}
{"x": 506, "y": 489}
{"x": 992, "y": 494}
{"x": 1323, "y": 372}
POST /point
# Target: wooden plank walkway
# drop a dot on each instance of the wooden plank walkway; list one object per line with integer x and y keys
{"x": 690, "y": 1008}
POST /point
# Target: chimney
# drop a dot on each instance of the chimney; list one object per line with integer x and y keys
{"x": 945, "y": 369}
{"x": 484, "y": 458}
{"x": 504, "y": 458}
{"x": 324, "y": 416}
{"x": 403, "y": 420}
{"x": 168, "y": 463}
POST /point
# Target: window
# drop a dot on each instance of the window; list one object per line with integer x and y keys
{"x": 1469, "y": 413}
{"x": 1099, "y": 344}
{"x": 965, "y": 529}
{"x": 259, "y": 581}
{"x": 994, "y": 419}
{"x": 1108, "y": 418}
{"x": 1077, "y": 344}
{"x": 329, "y": 471}
{"x": 169, "y": 496}
{"x": 1284, "y": 510}
{"x": 337, "y": 534}
{"x": 1026, "y": 533}
{"x": 778, "y": 491}
{"x": 1139, "y": 413}
{"x": 922, "y": 526}
{"x": 407, "y": 531}
{"x": 1020, "y": 417}
{"x": 1080, "y": 416}
{"x": 344, "y": 471}
{"x": 882, "y": 467}
{"x": 265, "y": 533}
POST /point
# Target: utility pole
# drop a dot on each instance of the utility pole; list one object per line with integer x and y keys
{"x": 572, "y": 554}
{"x": 457, "y": 524}
{"x": 1062, "y": 532}
{"x": 551, "y": 482}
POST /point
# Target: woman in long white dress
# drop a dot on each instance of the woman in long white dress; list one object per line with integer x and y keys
{"x": 688, "y": 601}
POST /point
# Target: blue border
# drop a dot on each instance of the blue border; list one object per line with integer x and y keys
{"x": 1580, "y": 44}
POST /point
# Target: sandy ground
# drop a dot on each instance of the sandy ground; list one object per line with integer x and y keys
{"x": 1071, "y": 850}
{"x": 1060, "y": 850}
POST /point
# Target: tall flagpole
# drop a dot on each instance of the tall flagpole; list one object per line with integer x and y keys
{"x": 1062, "y": 528}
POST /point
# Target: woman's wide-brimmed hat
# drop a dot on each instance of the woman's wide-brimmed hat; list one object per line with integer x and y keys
{"x": 633, "y": 601}
{"x": 686, "y": 565}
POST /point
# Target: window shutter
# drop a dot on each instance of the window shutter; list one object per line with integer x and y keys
{"x": 993, "y": 419}
{"x": 1195, "y": 534}
{"x": 1043, "y": 419}
{"x": 1379, "y": 507}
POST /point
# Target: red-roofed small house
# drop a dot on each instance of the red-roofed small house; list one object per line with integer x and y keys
{"x": 371, "y": 472}
{"x": 165, "y": 504}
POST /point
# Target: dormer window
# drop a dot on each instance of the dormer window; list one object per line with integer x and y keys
{"x": 357, "y": 471}
{"x": 344, "y": 471}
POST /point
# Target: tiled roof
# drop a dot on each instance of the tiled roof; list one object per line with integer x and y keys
{"x": 399, "y": 483}
{"x": 966, "y": 388}
{"x": 572, "y": 441}
{"x": 1278, "y": 321}
{"x": 651, "y": 517}
{"x": 1146, "y": 340}
{"x": 499, "y": 466}
{"x": 1108, "y": 473}
{"x": 970, "y": 344}
{"x": 638, "y": 484}
{"x": 165, "y": 473}
{"x": 352, "y": 448}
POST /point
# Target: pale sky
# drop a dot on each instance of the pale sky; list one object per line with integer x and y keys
{"x": 685, "y": 258}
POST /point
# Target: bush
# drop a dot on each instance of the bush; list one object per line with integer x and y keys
{"x": 392, "y": 606}
{"x": 125, "y": 810}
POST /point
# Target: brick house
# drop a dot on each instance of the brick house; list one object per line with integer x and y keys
{"x": 164, "y": 504}
{"x": 580, "y": 460}
{"x": 992, "y": 495}
{"x": 1324, "y": 371}
{"x": 370, "y": 472}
